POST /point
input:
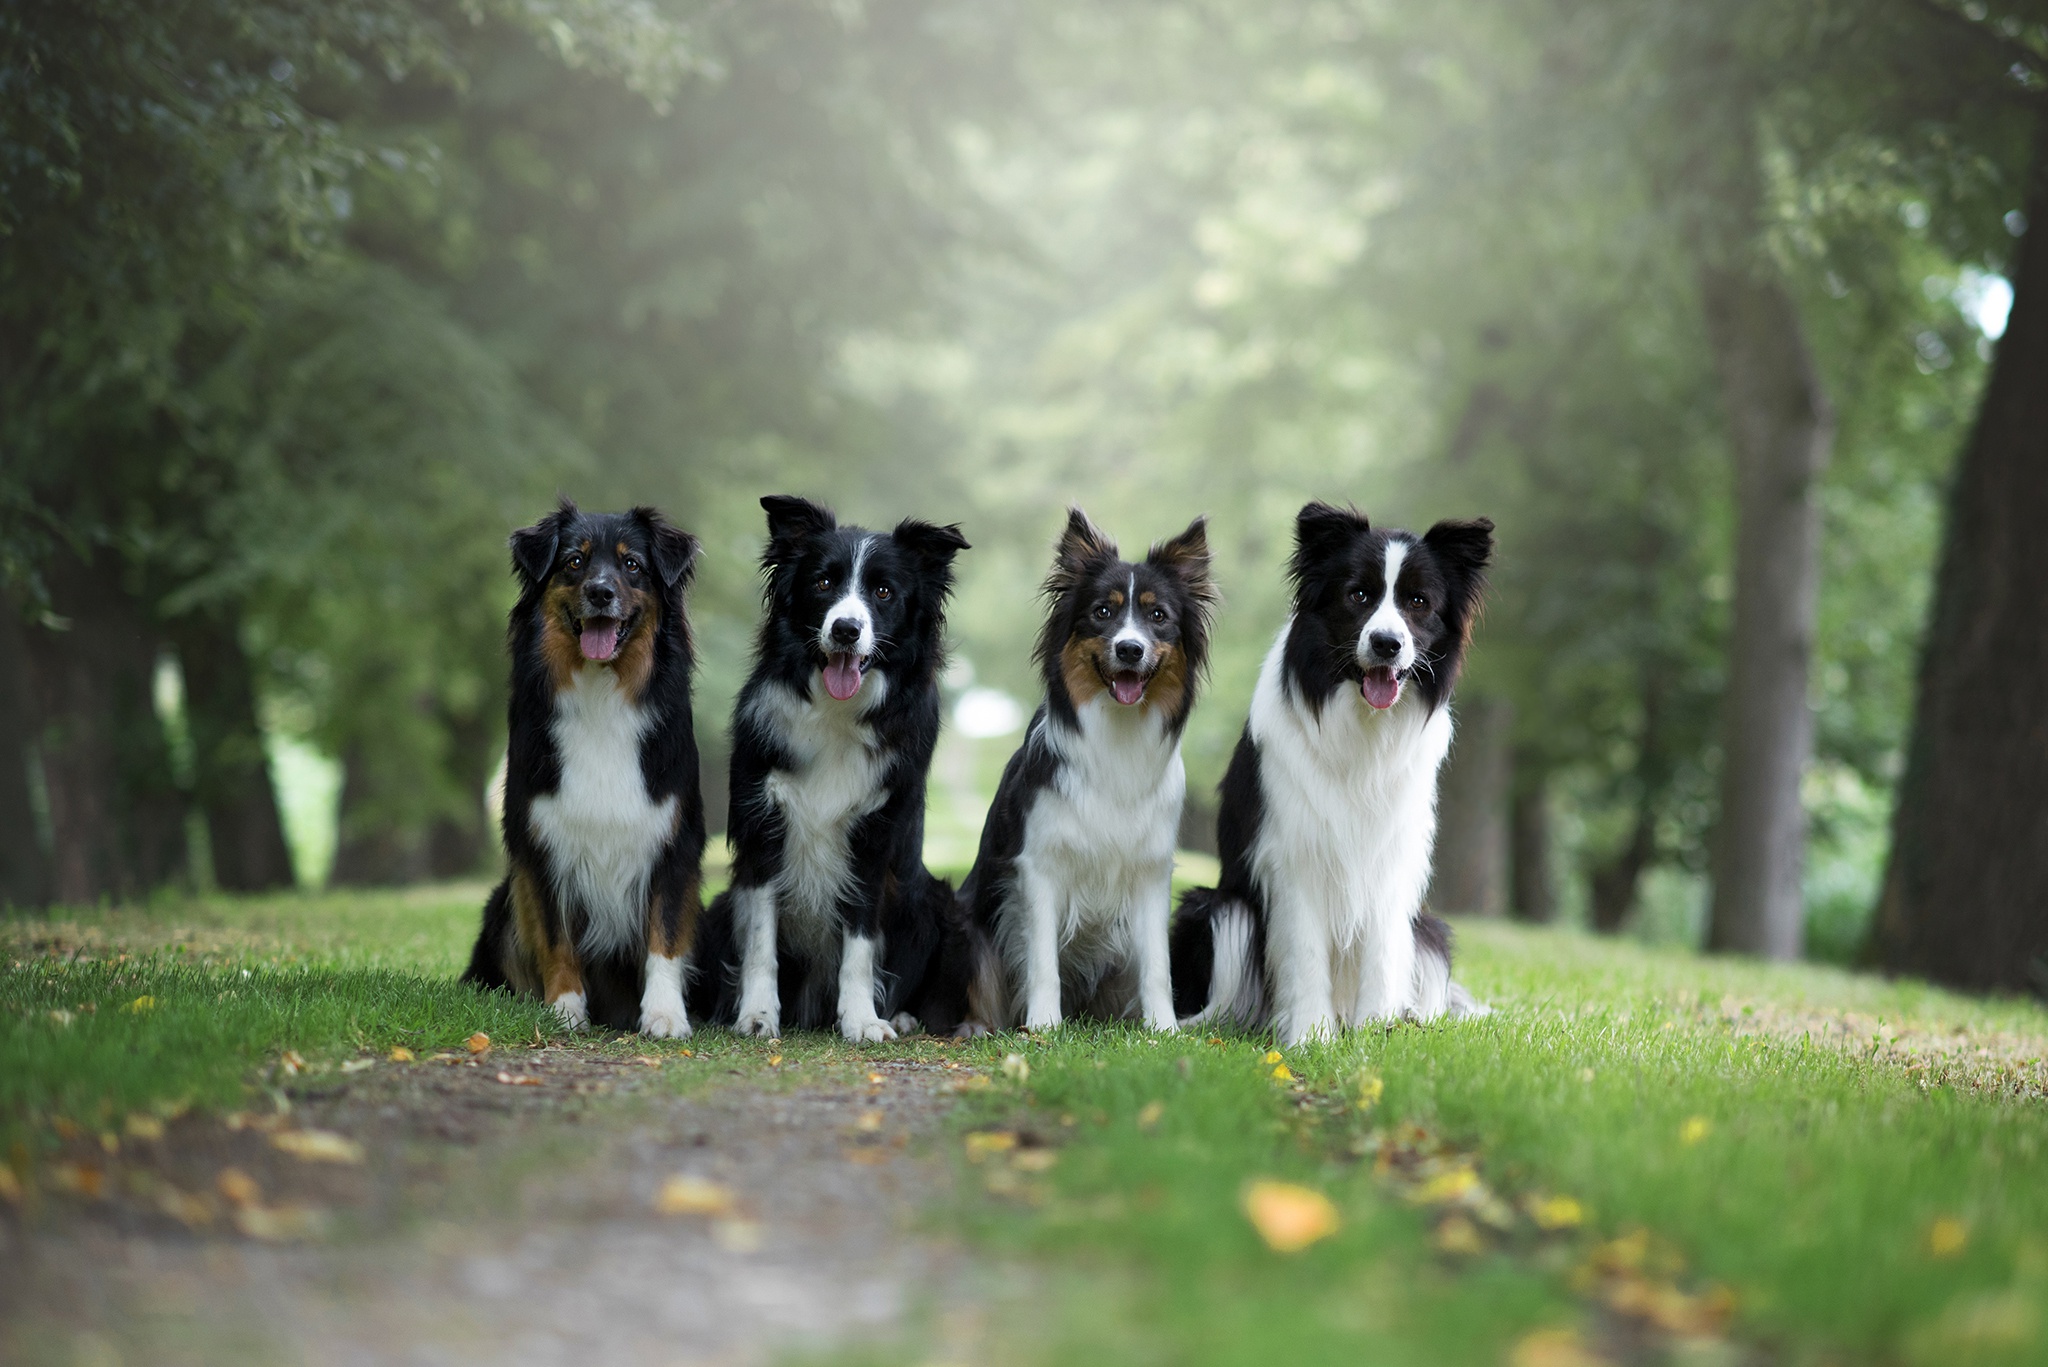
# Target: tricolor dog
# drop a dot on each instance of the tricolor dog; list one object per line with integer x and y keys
{"x": 1328, "y": 807}
{"x": 604, "y": 821}
{"x": 1068, "y": 903}
{"x": 832, "y": 916}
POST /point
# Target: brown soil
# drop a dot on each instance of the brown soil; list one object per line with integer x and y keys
{"x": 497, "y": 1220}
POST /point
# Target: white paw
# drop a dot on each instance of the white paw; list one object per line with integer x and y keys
{"x": 664, "y": 1020}
{"x": 1041, "y": 1025}
{"x": 873, "y": 1030}
{"x": 762, "y": 1021}
{"x": 906, "y": 1024}
{"x": 1164, "y": 1023}
{"x": 971, "y": 1030}
{"x": 573, "y": 1009}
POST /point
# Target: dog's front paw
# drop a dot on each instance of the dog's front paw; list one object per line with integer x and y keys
{"x": 573, "y": 1009}
{"x": 906, "y": 1024}
{"x": 872, "y": 1030}
{"x": 971, "y": 1030}
{"x": 664, "y": 1020}
{"x": 762, "y": 1021}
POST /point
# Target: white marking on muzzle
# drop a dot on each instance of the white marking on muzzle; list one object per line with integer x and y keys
{"x": 1129, "y": 630}
{"x": 1387, "y": 618}
{"x": 852, "y": 606}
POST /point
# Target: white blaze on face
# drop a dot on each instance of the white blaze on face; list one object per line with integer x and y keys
{"x": 852, "y": 606}
{"x": 1128, "y": 629}
{"x": 1126, "y": 689}
{"x": 1386, "y": 618}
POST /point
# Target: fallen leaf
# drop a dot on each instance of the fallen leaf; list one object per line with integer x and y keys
{"x": 1289, "y": 1217}
{"x": 982, "y": 1143}
{"x": 1282, "y": 1073}
{"x": 401, "y": 1054}
{"x": 1554, "y": 1348}
{"x": 110, "y": 1143}
{"x": 687, "y": 1195}
{"x": 868, "y": 1156}
{"x": 318, "y": 1146}
{"x": 1452, "y": 1184}
{"x": 292, "y": 1062}
{"x": 775, "y": 1060}
{"x": 479, "y": 1043}
{"x": 82, "y": 1179}
{"x": 1016, "y": 1068}
{"x": 1694, "y": 1130}
{"x": 1370, "y": 1089}
{"x": 519, "y": 1079}
{"x": 61, "y": 1016}
{"x": 1273, "y": 1056}
{"x": 1556, "y": 1212}
{"x": 1947, "y": 1237}
{"x": 1149, "y": 1113}
{"x": 976, "y": 1082}
{"x": 738, "y": 1236}
{"x": 357, "y": 1065}
{"x": 238, "y": 1187}
{"x": 184, "y": 1207}
{"x": 648, "y": 1060}
{"x": 140, "y": 1005}
{"x": 1460, "y": 1236}
{"x": 281, "y": 1224}
{"x": 869, "y": 1122}
{"x": 143, "y": 1127}
{"x": 874, "y": 1079}
{"x": 1034, "y": 1160}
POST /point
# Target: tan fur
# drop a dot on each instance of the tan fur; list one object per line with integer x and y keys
{"x": 1082, "y": 666}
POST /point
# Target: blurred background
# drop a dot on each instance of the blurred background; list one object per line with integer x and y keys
{"x": 304, "y": 306}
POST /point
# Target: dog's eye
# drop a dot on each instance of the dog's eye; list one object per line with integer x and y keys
{"x": 824, "y": 584}
{"x": 632, "y": 564}
{"x": 1416, "y": 600}
{"x": 575, "y": 560}
{"x": 1102, "y": 612}
{"x": 1358, "y": 595}
{"x": 883, "y": 593}
{"x": 1159, "y": 614}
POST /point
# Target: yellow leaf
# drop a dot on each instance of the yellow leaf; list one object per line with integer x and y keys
{"x": 1554, "y": 1348}
{"x": 1149, "y": 1113}
{"x": 280, "y": 1224}
{"x": 1273, "y": 1056}
{"x": 519, "y": 1079}
{"x": 292, "y": 1062}
{"x": 238, "y": 1187}
{"x": 869, "y": 1122}
{"x": 318, "y": 1146}
{"x": 1289, "y": 1217}
{"x": 686, "y": 1195}
{"x": 775, "y": 1060}
{"x": 1370, "y": 1089}
{"x": 1452, "y": 1184}
{"x": 1016, "y": 1068}
{"x": 1694, "y": 1130}
{"x": 982, "y": 1143}
{"x": 1947, "y": 1237}
{"x": 1556, "y": 1212}
{"x": 1459, "y": 1235}
{"x": 1282, "y": 1073}
{"x": 401, "y": 1054}
{"x": 139, "y": 1005}
{"x": 479, "y": 1042}
{"x": 1034, "y": 1160}
{"x": 144, "y": 1127}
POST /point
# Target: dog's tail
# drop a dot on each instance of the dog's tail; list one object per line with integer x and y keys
{"x": 493, "y": 940}
{"x": 1435, "y": 993}
{"x": 714, "y": 965}
{"x": 1218, "y": 953}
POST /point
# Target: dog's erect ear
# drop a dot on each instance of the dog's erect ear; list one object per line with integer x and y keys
{"x": 533, "y": 548}
{"x": 674, "y": 550}
{"x": 791, "y": 519}
{"x": 1322, "y": 530}
{"x": 1463, "y": 549}
{"x": 1083, "y": 546}
{"x": 1186, "y": 556}
{"x": 931, "y": 543}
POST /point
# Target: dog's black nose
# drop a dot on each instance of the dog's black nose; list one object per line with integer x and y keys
{"x": 1129, "y": 652}
{"x": 845, "y": 632}
{"x": 599, "y": 594}
{"x": 1385, "y": 645}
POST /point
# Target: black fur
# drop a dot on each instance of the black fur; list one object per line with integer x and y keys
{"x": 572, "y": 558}
{"x": 889, "y": 892}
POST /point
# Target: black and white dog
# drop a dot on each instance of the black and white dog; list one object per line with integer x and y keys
{"x": 1068, "y": 903}
{"x": 832, "y": 915}
{"x": 604, "y": 821}
{"x": 1329, "y": 804}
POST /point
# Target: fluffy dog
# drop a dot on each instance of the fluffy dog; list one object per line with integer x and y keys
{"x": 604, "y": 820}
{"x": 1071, "y": 891}
{"x": 1329, "y": 804}
{"x": 832, "y": 915}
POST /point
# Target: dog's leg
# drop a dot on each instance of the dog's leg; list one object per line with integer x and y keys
{"x": 670, "y": 921}
{"x": 553, "y": 952}
{"x": 1298, "y": 950}
{"x": 1152, "y": 914}
{"x": 1037, "y": 900}
{"x": 1386, "y": 968}
{"x": 857, "y": 1019}
{"x": 753, "y": 914}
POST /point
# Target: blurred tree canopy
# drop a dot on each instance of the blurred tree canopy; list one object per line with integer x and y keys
{"x": 304, "y": 305}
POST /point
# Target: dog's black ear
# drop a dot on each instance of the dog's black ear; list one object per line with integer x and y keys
{"x": 930, "y": 542}
{"x": 1463, "y": 550}
{"x": 1322, "y": 530}
{"x": 1083, "y": 546}
{"x": 1186, "y": 556}
{"x": 791, "y": 519}
{"x": 533, "y": 548}
{"x": 674, "y": 550}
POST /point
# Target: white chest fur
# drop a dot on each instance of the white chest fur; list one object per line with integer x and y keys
{"x": 599, "y": 828}
{"x": 1101, "y": 835}
{"x": 835, "y": 779}
{"x": 1349, "y": 805}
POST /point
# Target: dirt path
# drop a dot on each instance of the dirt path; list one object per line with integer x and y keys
{"x": 543, "y": 1241}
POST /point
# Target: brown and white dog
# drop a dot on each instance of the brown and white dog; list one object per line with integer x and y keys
{"x": 604, "y": 819}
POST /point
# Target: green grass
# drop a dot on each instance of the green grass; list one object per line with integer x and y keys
{"x": 1791, "y": 1134}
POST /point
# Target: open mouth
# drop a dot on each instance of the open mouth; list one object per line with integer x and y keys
{"x": 599, "y": 638}
{"x": 843, "y": 672}
{"x": 1127, "y": 686}
{"x": 1381, "y": 687}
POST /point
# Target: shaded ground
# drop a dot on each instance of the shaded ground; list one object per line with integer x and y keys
{"x": 496, "y": 1220}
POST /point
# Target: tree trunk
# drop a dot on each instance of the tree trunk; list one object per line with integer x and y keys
{"x": 24, "y": 864}
{"x": 231, "y": 771}
{"x": 1616, "y": 883}
{"x": 1471, "y": 863}
{"x": 1782, "y": 427}
{"x": 371, "y": 850}
{"x": 116, "y": 814}
{"x": 1532, "y": 882}
{"x": 1965, "y": 897}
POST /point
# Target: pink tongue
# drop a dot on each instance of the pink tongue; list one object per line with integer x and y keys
{"x": 1128, "y": 688}
{"x": 1380, "y": 687}
{"x": 842, "y": 675}
{"x": 600, "y": 639}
